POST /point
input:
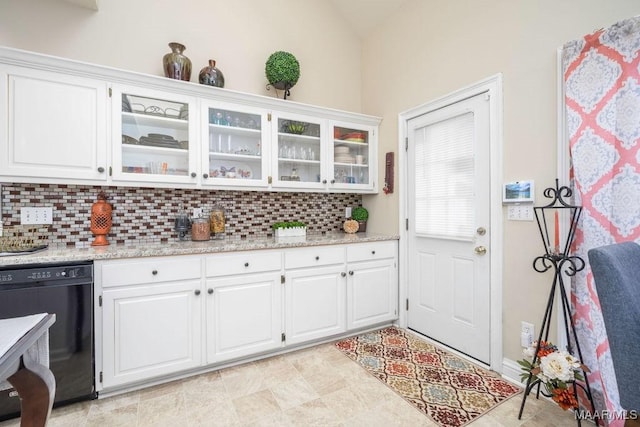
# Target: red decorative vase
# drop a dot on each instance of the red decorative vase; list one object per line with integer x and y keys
{"x": 101, "y": 220}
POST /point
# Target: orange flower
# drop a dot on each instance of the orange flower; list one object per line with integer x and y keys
{"x": 565, "y": 398}
{"x": 545, "y": 349}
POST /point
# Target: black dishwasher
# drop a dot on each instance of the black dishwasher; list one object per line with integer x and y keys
{"x": 65, "y": 289}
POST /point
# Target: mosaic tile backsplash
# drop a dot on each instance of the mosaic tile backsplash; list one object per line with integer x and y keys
{"x": 148, "y": 214}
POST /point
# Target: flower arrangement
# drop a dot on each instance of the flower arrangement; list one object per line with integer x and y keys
{"x": 557, "y": 370}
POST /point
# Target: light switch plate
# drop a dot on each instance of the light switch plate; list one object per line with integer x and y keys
{"x": 520, "y": 212}
{"x": 36, "y": 215}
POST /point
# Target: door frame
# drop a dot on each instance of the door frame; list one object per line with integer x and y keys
{"x": 493, "y": 87}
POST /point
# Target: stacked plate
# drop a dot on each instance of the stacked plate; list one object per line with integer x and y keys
{"x": 341, "y": 154}
{"x": 159, "y": 140}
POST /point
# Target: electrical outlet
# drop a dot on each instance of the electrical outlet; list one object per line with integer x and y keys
{"x": 526, "y": 334}
{"x": 197, "y": 212}
{"x": 36, "y": 215}
{"x": 347, "y": 212}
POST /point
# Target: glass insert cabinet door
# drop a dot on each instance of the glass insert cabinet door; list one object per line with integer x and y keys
{"x": 234, "y": 148}
{"x": 156, "y": 132}
{"x": 352, "y": 157}
{"x": 298, "y": 156}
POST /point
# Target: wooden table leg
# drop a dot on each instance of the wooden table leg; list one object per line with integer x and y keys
{"x": 36, "y": 387}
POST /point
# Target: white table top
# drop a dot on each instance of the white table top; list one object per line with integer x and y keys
{"x": 11, "y": 330}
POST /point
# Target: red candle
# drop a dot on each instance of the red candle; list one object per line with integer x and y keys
{"x": 557, "y": 235}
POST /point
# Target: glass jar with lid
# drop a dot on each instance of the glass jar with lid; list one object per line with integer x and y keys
{"x": 217, "y": 222}
{"x": 200, "y": 229}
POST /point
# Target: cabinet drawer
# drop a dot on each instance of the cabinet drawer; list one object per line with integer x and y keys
{"x": 312, "y": 257}
{"x": 371, "y": 251}
{"x": 243, "y": 262}
{"x": 152, "y": 270}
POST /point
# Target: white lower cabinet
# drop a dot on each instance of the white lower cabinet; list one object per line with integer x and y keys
{"x": 372, "y": 284}
{"x": 315, "y": 303}
{"x": 165, "y": 315}
{"x": 315, "y": 293}
{"x": 150, "y": 327}
{"x": 244, "y": 316}
{"x": 244, "y": 304}
{"x": 371, "y": 293}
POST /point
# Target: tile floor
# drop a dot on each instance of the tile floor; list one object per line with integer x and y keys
{"x": 318, "y": 386}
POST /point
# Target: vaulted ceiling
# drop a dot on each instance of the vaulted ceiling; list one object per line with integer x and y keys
{"x": 364, "y": 15}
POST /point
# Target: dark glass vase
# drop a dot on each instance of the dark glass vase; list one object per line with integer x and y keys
{"x": 176, "y": 65}
{"x": 211, "y": 75}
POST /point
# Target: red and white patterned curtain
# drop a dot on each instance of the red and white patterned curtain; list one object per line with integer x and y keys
{"x": 602, "y": 107}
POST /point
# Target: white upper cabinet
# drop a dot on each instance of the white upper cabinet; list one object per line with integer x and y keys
{"x": 298, "y": 156}
{"x": 154, "y": 136}
{"x": 53, "y": 126}
{"x": 71, "y": 122}
{"x": 234, "y": 148}
{"x": 353, "y": 151}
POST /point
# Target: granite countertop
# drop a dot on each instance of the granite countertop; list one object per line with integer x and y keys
{"x": 230, "y": 244}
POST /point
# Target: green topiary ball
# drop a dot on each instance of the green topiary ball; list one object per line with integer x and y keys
{"x": 282, "y": 67}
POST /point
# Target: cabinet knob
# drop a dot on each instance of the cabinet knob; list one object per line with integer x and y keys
{"x": 373, "y": 252}
{"x": 205, "y": 175}
{"x": 100, "y": 169}
{"x": 197, "y": 292}
{"x": 317, "y": 258}
{"x": 333, "y": 181}
{"x": 193, "y": 174}
{"x": 343, "y": 274}
{"x": 210, "y": 291}
{"x": 351, "y": 273}
{"x": 324, "y": 181}
{"x": 154, "y": 272}
{"x": 246, "y": 264}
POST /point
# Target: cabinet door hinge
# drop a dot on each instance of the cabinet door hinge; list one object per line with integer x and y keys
{"x": 100, "y": 376}
{"x": 282, "y": 279}
{"x": 406, "y": 143}
{"x": 268, "y": 117}
{"x": 270, "y": 180}
{"x": 407, "y": 304}
{"x": 110, "y": 171}
{"x": 406, "y": 224}
{"x": 100, "y": 301}
{"x": 110, "y": 92}
{"x": 283, "y": 337}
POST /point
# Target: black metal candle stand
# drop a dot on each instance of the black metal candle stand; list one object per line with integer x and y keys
{"x": 557, "y": 257}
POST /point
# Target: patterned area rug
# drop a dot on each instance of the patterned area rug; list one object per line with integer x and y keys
{"x": 449, "y": 390}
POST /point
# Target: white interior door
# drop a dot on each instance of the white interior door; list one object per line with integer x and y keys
{"x": 448, "y": 193}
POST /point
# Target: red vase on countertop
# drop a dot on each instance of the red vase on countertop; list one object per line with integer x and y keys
{"x": 101, "y": 220}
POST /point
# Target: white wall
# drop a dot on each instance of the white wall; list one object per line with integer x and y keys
{"x": 239, "y": 34}
{"x": 432, "y": 47}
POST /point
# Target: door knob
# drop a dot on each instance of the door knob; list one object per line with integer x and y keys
{"x": 481, "y": 231}
{"x": 480, "y": 250}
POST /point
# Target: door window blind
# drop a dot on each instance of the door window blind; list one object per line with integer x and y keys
{"x": 444, "y": 170}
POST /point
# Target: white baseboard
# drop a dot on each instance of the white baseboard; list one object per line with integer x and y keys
{"x": 511, "y": 371}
